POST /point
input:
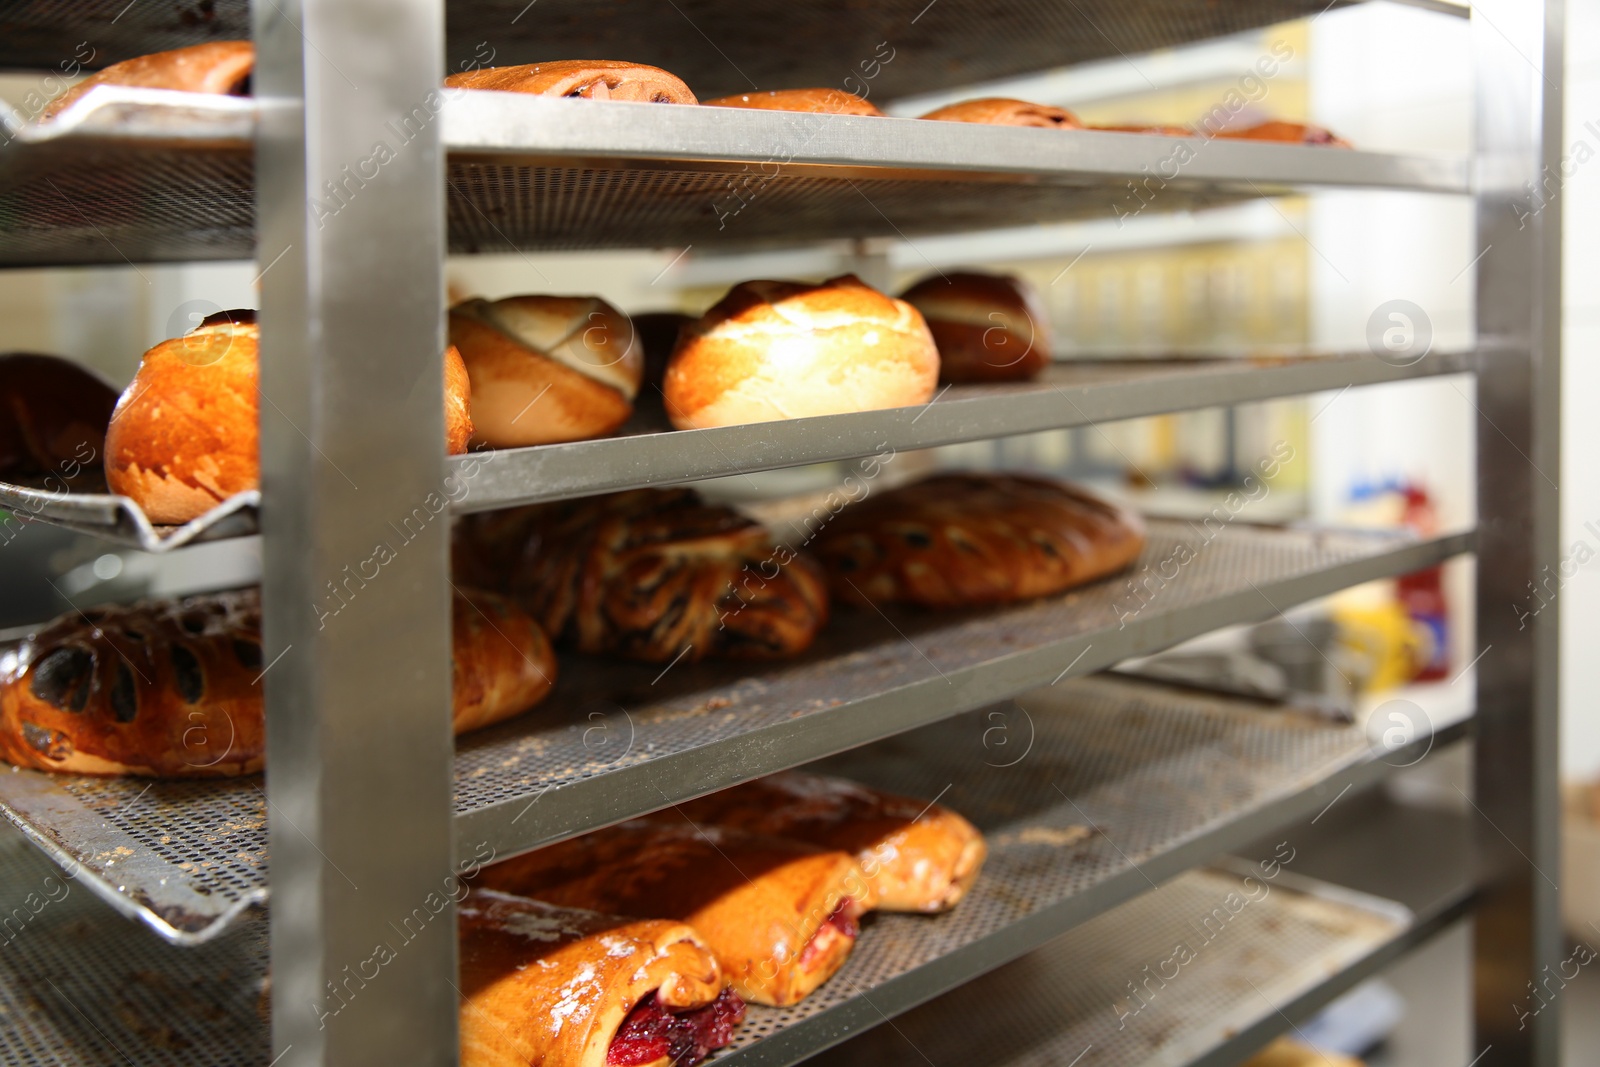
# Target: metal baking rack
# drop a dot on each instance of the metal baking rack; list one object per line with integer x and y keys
{"x": 1122, "y": 781}
{"x": 619, "y": 740}
{"x": 362, "y": 824}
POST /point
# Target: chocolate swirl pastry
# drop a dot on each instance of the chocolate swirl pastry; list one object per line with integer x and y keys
{"x": 1003, "y": 111}
{"x": 650, "y": 574}
{"x": 586, "y": 79}
{"x": 169, "y": 689}
{"x": 958, "y": 540}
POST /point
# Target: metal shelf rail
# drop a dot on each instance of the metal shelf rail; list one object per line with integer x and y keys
{"x": 362, "y": 825}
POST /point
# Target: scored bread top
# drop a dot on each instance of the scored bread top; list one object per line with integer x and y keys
{"x": 582, "y": 333}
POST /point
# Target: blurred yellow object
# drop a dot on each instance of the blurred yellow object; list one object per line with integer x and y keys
{"x": 1388, "y": 644}
{"x": 1286, "y": 1053}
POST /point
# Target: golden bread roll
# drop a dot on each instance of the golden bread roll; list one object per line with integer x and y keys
{"x": 918, "y": 856}
{"x": 185, "y": 435}
{"x": 988, "y": 327}
{"x": 53, "y": 418}
{"x": 1286, "y": 1052}
{"x": 780, "y": 916}
{"x": 1164, "y": 131}
{"x": 170, "y": 689}
{"x": 1286, "y": 133}
{"x": 960, "y": 540}
{"x": 546, "y": 368}
{"x": 650, "y": 574}
{"x": 219, "y": 67}
{"x": 821, "y": 101}
{"x": 1001, "y": 111}
{"x": 589, "y": 79}
{"x": 785, "y": 350}
{"x": 562, "y": 987}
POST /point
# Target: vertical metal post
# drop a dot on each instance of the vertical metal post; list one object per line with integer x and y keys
{"x": 1517, "y": 46}
{"x": 351, "y": 225}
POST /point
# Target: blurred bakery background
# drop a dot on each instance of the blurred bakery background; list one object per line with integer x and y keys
{"x": 1262, "y": 277}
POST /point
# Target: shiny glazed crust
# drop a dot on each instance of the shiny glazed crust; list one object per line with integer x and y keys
{"x": 1286, "y": 133}
{"x": 546, "y": 368}
{"x": 755, "y": 901}
{"x": 648, "y": 574}
{"x": 783, "y": 350}
{"x": 1001, "y": 111}
{"x": 544, "y": 985}
{"x": 185, "y": 434}
{"x": 169, "y": 689}
{"x": 958, "y": 540}
{"x": 218, "y": 67}
{"x": 53, "y": 417}
{"x": 589, "y": 79}
{"x": 988, "y": 327}
{"x": 919, "y": 857}
{"x": 821, "y": 101}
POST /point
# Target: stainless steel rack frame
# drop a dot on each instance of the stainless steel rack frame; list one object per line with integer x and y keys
{"x": 360, "y": 820}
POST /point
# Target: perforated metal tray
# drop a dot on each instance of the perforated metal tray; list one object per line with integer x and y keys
{"x": 141, "y": 174}
{"x": 616, "y": 740}
{"x": 1118, "y": 991}
{"x": 717, "y": 47}
{"x": 1102, "y": 788}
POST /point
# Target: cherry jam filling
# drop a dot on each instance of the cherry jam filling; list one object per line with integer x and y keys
{"x": 651, "y": 1033}
{"x": 844, "y": 922}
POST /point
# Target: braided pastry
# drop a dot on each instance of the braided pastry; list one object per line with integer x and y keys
{"x": 168, "y": 689}
{"x": 651, "y": 574}
{"x": 957, "y": 540}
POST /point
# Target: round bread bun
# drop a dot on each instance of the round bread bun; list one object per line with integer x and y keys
{"x": 222, "y": 68}
{"x": 821, "y": 101}
{"x": 989, "y": 327}
{"x": 1002, "y": 111}
{"x": 785, "y": 350}
{"x": 53, "y": 417}
{"x": 185, "y": 435}
{"x": 547, "y": 368}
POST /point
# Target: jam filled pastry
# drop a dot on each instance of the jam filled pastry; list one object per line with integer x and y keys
{"x": 1287, "y": 133}
{"x": 918, "y": 856}
{"x": 961, "y": 540}
{"x": 989, "y": 327}
{"x": 53, "y": 418}
{"x": 221, "y": 68}
{"x": 185, "y": 434}
{"x": 781, "y": 916}
{"x": 170, "y": 689}
{"x": 1000, "y": 111}
{"x": 559, "y": 987}
{"x": 587, "y": 79}
{"x": 820, "y": 101}
{"x": 546, "y": 368}
{"x": 651, "y": 574}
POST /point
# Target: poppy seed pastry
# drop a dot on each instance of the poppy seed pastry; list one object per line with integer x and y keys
{"x": 546, "y": 368}
{"x": 818, "y": 101}
{"x": 586, "y": 79}
{"x": 989, "y": 327}
{"x": 221, "y": 68}
{"x": 171, "y": 688}
{"x": 185, "y": 435}
{"x": 650, "y": 574}
{"x": 1002, "y": 111}
{"x": 773, "y": 350}
{"x": 962, "y": 540}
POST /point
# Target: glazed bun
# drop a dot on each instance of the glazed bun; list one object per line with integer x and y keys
{"x": 547, "y": 368}
{"x": 587, "y": 79}
{"x": 784, "y": 350}
{"x": 185, "y": 434}
{"x": 53, "y": 417}
{"x": 218, "y": 67}
{"x": 989, "y": 327}
{"x": 821, "y": 101}
{"x": 1000, "y": 111}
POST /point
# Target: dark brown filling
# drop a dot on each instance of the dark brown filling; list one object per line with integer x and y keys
{"x": 651, "y": 1033}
